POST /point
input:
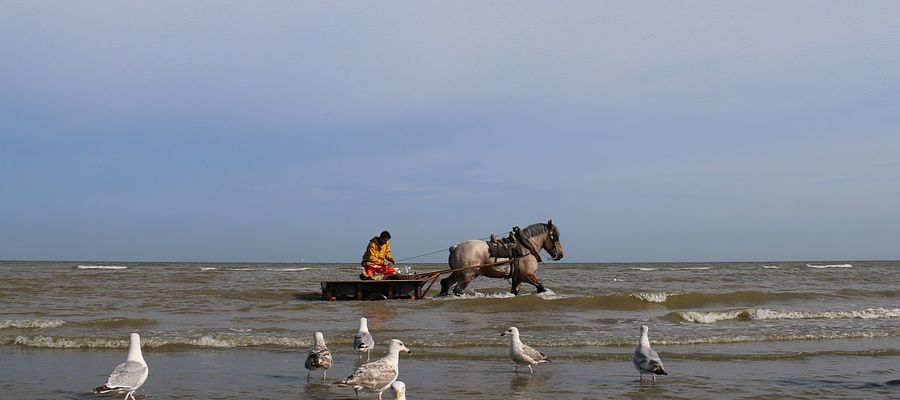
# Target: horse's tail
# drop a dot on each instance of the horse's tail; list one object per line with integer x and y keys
{"x": 450, "y": 256}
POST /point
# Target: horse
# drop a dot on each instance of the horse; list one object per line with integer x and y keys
{"x": 470, "y": 253}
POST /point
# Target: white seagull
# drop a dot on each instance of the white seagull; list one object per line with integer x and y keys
{"x": 646, "y": 359}
{"x": 129, "y": 375}
{"x": 377, "y": 375}
{"x": 319, "y": 357}
{"x": 521, "y": 353}
{"x": 399, "y": 389}
{"x": 363, "y": 341}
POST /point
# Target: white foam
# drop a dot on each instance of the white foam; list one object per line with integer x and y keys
{"x": 208, "y": 341}
{"x": 652, "y": 297}
{"x": 643, "y": 269}
{"x": 68, "y": 343}
{"x": 288, "y": 269}
{"x": 549, "y": 295}
{"x": 31, "y": 324}
{"x": 830, "y": 266}
{"x": 766, "y": 314}
{"x": 770, "y": 266}
{"x": 101, "y": 267}
{"x": 254, "y": 269}
{"x": 475, "y": 295}
{"x": 709, "y": 317}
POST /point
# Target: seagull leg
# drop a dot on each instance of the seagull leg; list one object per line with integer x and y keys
{"x": 517, "y": 369}
{"x": 307, "y": 375}
{"x": 324, "y": 374}
{"x": 530, "y": 370}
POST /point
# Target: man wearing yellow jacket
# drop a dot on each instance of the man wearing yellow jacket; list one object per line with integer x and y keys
{"x": 378, "y": 258}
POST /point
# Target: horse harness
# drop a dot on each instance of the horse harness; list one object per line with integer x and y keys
{"x": 514, "y": 246}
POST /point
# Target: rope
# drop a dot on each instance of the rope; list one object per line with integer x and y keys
{"x": 438, "y": 251}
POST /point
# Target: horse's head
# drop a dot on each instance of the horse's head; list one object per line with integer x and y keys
{"x": 551, "y": 243}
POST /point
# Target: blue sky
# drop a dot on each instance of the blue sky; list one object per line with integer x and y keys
{"x": 648, "y": 131}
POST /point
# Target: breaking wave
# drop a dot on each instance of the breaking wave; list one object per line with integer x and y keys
{"x": 173, "y": 343}
{"x": 765, "y": 314}
{"x": 295, "y": 269}
{"x": 277, "y": 343}
{"x": 101, "y": 267}
{"x": 31, "y": 324}
{"x": 830, "y": 266}
{"x": 289, "y": 269}
{"x": 549, "y": 301}
{"x": 652, "y": 297}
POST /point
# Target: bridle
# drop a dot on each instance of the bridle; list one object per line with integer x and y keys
{"x": 554, "y": 239}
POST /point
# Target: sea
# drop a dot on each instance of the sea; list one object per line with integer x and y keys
{"x": 736, "y": 330}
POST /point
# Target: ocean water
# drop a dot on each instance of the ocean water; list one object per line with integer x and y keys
{"x": 795, "y": 330}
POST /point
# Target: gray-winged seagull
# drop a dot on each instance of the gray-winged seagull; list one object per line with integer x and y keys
{"x": 129, "y": 375}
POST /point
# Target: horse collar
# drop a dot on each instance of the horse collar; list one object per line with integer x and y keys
{"x": 527, "y": 243}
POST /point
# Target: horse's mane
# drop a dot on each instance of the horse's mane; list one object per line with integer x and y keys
{"x": 535, "y": 229}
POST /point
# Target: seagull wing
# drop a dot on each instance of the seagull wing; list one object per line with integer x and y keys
{"x": 646, "y": 359}
{"x": 375, "y": 375}
{"x": 363, "y": 341}
{"x": 319, "y": 359}
{"x": 537, "y": 356}
{"x": 128, "y": 375}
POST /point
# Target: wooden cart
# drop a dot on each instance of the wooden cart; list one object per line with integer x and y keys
{"x": 401, "y": 287}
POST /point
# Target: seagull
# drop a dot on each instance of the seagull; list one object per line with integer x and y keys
{"x": 377, "y": 375}
{"x": 363, "y": 341}
{"x": 319, "y": 357}
{"x": 129, "y": 375}
{"x": 399, "y": 389}
{"x": 521, "y": 353}
{"x": 646, "y": 359}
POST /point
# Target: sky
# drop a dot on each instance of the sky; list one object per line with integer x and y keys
{"x": 288, "y": 131}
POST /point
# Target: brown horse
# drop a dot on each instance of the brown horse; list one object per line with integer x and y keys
{"x": 475, "y": 252}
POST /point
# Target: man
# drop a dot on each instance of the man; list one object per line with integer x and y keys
{"x": 378, "y": 258}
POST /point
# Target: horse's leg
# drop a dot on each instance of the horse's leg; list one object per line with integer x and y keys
{"x": 448, "y": 282}
{"x": 464, "y": 282}
{"x": 533, "y": 279}
{"x": 515, "y": 287}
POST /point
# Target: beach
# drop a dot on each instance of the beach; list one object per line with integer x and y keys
{"x": 799, "y": 330}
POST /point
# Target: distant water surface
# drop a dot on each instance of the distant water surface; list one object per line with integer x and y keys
{"x": 816, "y": 330}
